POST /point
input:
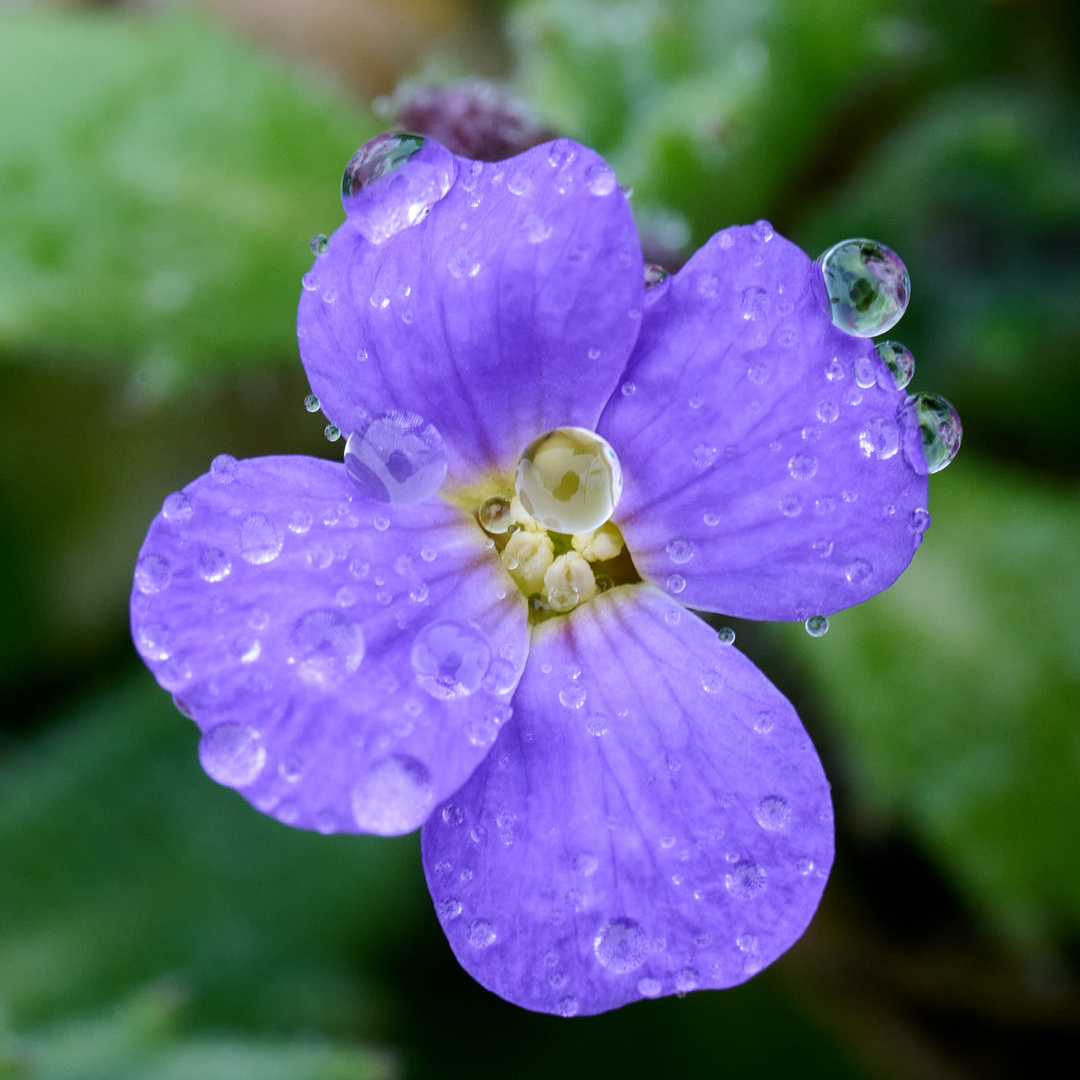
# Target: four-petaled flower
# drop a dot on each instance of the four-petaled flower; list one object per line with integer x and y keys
{"x": 615, "y": 802}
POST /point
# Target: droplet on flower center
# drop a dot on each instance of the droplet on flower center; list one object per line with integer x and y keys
{"x": 867, "y": 286}
{"x": 496, "y": 515}
{"x": 393, "y": 181}
{"x": 570, "y": 480}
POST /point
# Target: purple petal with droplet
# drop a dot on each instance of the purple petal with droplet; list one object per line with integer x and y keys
{"x": 656, "y": 824}
{"x": 759, "y": 477}
{"x": 348, "y": 663}
{"x": 509, "y": 310}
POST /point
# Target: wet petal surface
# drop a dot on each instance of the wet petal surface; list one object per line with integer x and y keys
{"x": 349, "y": 663}
{"x": 653, "y": 820}
{"x": 508, "y": 311}
{"x": 763, "y": 468}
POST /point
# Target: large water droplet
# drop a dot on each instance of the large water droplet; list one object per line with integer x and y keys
{"x": 177, "y": 508}
{"x": 569, "y": 479}
{"x": 817, "y": 626}
{"x": 328, "y": 646}
{"x": 481, "y": 934}
{"x": 621, "y": 945}
{"x": 232, "y": 754}
{"x": 745, "y": 881}
{"x": 899, "y": 365}
{"x": 214, "y": 565}
{"x": 394, "y": 796}
{"x": 152, "y": 574}
{"x": 880, "y": 439}
{"x": 867, "y": 286}
{"x": 393, "y": 181}
{"x": 397, "y": 458}
{"x": 260, "y": 542}
{"x": 450, "y": 659}
{"x": 932, "y": 432}
{"x": 802, "y": 466}
{"x": 772, "y": 813}
{"x": 223, "y": 468}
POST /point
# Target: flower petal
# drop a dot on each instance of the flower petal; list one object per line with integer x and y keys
{"x": 653, "y": 820}
{"x": 349, "y": 664}
{"x": 509, "y": 310}
{"x": 761, "y": 479}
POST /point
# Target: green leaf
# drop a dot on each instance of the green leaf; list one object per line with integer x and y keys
{"x": 159, "y": 183}
{"x": 122, "y": 860}
{"x": 957, "y": 694}
{"x": 979, "y": 192}
{"x": 715, "y": 112}
{"x": 138, "y": 1040}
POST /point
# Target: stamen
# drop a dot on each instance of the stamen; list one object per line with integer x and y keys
{"x": 527, "y": 556}
{"x": 600, "y": 544}
{"x": 568, "y": 582}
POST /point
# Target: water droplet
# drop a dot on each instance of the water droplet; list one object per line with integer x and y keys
{"x": 859, "y": 571}
{"x": 704, "y": 455}
{"x": 223, "y": 468}
{"x": 880, "y": 439}
{"x": 745, "y": 880}
{"x": 152, "y": 574}
{"x": 597, "y": 724}
{"x": 649, "y": 988}
{"x": 214, "y": 565}
{"x": 791, "y": 506}
{"x": 599, "y": 179}
{"x": 621, "y": 945}
{"x": 834, "y": 370}
{"x": 762, "y": 231}
{"x": 817, "y": 626}
{"x": 299, "y": 521}
{"x": 586, "y": 864}
{"x": 328, "y": 646}
{"x": 673, "y": 617}
{"x": 450, "y": 659}
{"x": 312, "y": 403}
{"x": 495, "y": 516}
{"x": 481, "y": 934}
{"x": 319, "y": 556}
{"x": 867, "y": 286}
{"x": 932, "y": 432}
{"x": 828, "y": 411}
{"x": 319, "y": 243}
{"x": 764, "y": 722}
{"x": 332, "y": 433}
{"x": 680, "y": 551}
{"x": 232, "y": 754}
{"x": 654, "y": 275}
{"x": 758, "y": 374}
{"x": 711, "y": 519}
{"x": 260, "y": 542}
{"x": 712, "y": 682}
{"x": 755, "y": 304}
{"x": 310, "y": 281}
{"x": 822, "y": 548}
{"x": 176, "y": 508}
{"x": 154, "y": 641}
{"x": 572, "y": 696}
{"x": 726, "y": 635}
{"x": 899, "y": 365}
{"x": 686, "y": 980}
{"x": 772, "y": 813}
{"x": 396, "y": 457}
{"x": 393, "y": 181}
{"x": 804, "y": 866}
{"x": 676, "y": 583}
{"x": 707, "y": 285}
{"x": 569, "y": 479}
{"x": 920, "y": 520}
{"x": 802, "y": 466}
{"x": 393, "y": 797}
{"x": 448, "y": 909}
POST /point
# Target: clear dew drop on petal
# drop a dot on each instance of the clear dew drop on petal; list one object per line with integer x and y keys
{"x": 232, "y": 754}
{"x": 393, "y": 797}
{"x": 932, "y": 432}
{"x": 866, "y": 286}
{"x": 397, "y": 458}
{"x": 450, "y": 659}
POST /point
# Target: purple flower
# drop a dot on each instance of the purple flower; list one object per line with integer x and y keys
{"x": 615, "y": 802}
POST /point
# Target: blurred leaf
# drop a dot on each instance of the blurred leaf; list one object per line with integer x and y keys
{"x": 714, "y": 109}
{"x": 138, "y": 1041}
{"x": 957, "y": 693}
{"x": 159, "y": 182}
{"x": 78, "y": 491}
{"x": 980, "y": 194}
{"x": 122, "y": 861}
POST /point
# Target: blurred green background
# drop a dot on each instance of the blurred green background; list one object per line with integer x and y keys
{"x": 162, "y": 167}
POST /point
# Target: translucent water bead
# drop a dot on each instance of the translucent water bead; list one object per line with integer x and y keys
{"x": 932, "y": 432}
{"x": 393, "y": 181}
{"x": 569, "y": 479}
{"x": 867, "y": 286}
{"x": 397, "y": 457}
{"x": 898, "y": 361}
